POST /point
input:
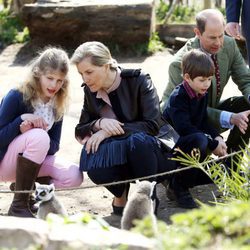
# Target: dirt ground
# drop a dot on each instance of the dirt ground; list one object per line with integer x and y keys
{"x": 95, "y": 200}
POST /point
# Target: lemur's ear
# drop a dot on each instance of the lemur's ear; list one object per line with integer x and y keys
{"x": 37, "y": 184}
{"x": 137, "y": 181}
{"x": 51, "y": 187}
{"x": 153, "y": 183}
{"x": 152, "y": 194}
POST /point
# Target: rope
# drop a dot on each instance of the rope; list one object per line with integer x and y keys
{"x": 130, "y": 180}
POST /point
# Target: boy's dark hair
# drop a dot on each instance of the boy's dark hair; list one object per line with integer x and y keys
{"x": 197, "y": 63}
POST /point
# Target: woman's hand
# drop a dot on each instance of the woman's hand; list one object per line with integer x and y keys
{"x": 35, "y": 120}
{"x": 111, "y": 126}
{"x": 92, "y": 144}
{"x": 84, "y": 140}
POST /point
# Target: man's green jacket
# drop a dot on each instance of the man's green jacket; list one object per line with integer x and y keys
{"x": 231, "y": 64}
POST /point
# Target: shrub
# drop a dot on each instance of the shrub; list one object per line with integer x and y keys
{"x": 220, "y": 227}
{"x": 12, "y": 29}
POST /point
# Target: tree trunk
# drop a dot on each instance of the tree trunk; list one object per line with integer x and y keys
{"x": 207, "y": 4}
{"x": 170, "y": 11}
{"x": 5, "y": 4}
{"x": 17, "y": 5}
{"x": 218, "y": 3}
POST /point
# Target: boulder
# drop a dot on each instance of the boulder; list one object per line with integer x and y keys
{"x": 70, "y": 23}
{"x": 31, "y": 233}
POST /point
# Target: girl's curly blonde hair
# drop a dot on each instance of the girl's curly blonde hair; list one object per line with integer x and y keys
{"x": 49, "y": 60}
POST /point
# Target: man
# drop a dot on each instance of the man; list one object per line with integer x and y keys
{"x": 233, "y": 112}
{"x": 235, "y": 9}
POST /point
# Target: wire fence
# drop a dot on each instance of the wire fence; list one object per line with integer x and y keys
{"x": 205, "y": 163}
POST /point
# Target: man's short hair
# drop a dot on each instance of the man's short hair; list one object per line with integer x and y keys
{"x": 202, "y": 17}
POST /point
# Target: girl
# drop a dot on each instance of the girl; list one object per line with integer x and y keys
{"x": 119, "y": 119}
{"x": 30, "y": 130}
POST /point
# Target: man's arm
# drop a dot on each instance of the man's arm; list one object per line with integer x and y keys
{"x": 233, "y": 10}
{"x": 174, "y": 70}
{"x": 175, "y": 78}
{"x": 240, "y": 73}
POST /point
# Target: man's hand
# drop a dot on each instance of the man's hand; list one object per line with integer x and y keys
{"x": 241, "y": 120}
{"x": 233, "y": 29}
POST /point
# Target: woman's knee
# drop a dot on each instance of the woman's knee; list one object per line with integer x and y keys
{"x": 107, "y": 175}
{"x": 144, "y": 141}
{"x": 75, "y": 176}
{"x": 63, "y": 173}
{"x": 99, "y": 177}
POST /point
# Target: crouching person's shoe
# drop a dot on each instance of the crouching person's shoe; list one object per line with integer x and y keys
{"x": 169, "y": 191}
{"x": 182, "y": 196}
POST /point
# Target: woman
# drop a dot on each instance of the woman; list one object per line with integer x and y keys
{"x": 30, "y": 130}
{"x": 119, "y": 119}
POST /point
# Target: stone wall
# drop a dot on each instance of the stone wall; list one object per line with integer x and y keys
{"x": 69, "y": 23}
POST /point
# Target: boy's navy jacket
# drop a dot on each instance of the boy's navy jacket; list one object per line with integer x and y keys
{"x": 189, "y": 115}
{"x": 11, "y": 109}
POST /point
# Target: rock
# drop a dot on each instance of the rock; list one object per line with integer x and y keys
{"x": 22, "y": 232}
{"x": 176, "y": 30}
{"x": 69, "y": 23}
{"x": 31, "y": 233}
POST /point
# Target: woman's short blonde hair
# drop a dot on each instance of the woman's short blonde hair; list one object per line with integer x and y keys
{"x": 49, "y": 60}
{"x": 98, "y": 53}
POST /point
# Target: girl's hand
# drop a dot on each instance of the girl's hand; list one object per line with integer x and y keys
{"x": 111, "y": 126}
{"x": 35, "y": 120}
{"x": 94, "y": 141}
{"x": 25, "y": 126}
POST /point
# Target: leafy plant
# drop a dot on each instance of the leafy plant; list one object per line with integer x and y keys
{"x": 139, "y": 49}
{"x": 232, "y": 183}
{"x": 12, "y": 29}
{"x": 155, "y": 44}
{"x": 181, "y": 13}
{"x": 219, "y": 227}
{"x": 161, "y": 10}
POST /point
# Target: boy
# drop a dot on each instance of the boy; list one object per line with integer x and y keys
{"x": 186, "y": 111}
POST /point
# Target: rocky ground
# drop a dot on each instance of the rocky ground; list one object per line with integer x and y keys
{"x": 95, "y": 200}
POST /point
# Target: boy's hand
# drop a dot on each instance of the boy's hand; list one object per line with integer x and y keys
{"x": 221, "y": 149}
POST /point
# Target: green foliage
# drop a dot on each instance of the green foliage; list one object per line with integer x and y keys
{"x": 146, "y": 228}
{"x": 140, "y": 49}
{"x": 220, "y": 227}
{"x": 234, "y": 183}
{"x": 181, "y": 14}
{"x": 161, "y": 10}
{"x": 12, "y": 29}
{"x": 86, "y": 219}
{"x": 155, "y": 43}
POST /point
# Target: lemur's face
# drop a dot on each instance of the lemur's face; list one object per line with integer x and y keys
{"x": 44, "y": 192}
